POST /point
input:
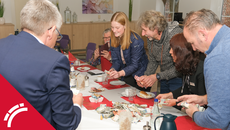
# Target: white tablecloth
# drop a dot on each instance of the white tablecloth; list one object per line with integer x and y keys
{"x": 91, "y": 119}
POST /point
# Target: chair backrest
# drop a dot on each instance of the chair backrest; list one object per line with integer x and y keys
{"x": 89, "y": 55}
{"x": 64, "y": 41}
{"x": 91, "y": 47}
{"x": 65, "y": 36}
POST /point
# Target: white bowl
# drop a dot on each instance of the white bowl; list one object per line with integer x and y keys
{"x": 91, "y": 99}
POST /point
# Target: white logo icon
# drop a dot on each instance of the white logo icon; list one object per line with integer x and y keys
{"x": 20, "y": 108}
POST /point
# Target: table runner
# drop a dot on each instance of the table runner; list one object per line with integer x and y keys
{"x": 186, "y": 123}
{"x": 92, "y": 106}
{"x": 109, "y": 86}
{"x": 72, "y": 58}
{"x": 140, "y": 101}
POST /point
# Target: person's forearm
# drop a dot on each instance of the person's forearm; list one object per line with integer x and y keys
{"x": 205, "y": 100}
{"x": 169, "y": 74}
{"x": 121, "y": 73}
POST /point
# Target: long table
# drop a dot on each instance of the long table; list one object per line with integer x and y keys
{"x": 91, "y": 119}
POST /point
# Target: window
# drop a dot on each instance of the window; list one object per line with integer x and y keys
{"x": 171, "y": 6}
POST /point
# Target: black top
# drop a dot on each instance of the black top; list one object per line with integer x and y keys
{"x": 193, "y": 84}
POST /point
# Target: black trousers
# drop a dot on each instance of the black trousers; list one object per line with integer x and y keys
{"x": 131, "y": 81}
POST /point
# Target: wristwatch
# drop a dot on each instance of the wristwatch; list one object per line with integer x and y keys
{"x": 158, "y": 77}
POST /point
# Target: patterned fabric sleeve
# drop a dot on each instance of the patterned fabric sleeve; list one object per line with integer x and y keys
{"x": 95, "y": 62}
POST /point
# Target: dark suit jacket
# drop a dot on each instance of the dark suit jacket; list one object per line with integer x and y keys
{"x": 135, "y": 57}
{"x": 40, "y": 75}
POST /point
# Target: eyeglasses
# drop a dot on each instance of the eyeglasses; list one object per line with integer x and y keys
{"x": 59, "y": 37}
{"x": 106, "y": 38}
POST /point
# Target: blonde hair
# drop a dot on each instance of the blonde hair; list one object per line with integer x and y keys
{"x": 125, "y": 41}
{"x": 39, "y": 15}
{"x": 153, "y": 20}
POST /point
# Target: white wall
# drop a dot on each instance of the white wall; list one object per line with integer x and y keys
{"x": 13, "y": 8}
{"x": 157, "y": 5}
{"x": 18, "y": 4}
{"x": 186, "y": 6}
{"x": 147, "y": 5}
{"x": 9, "y": 13}
{"x": 119, "y": 5}
{"x": 136, "y": 9}
{"x": 160, "y": 6}
{"x": 152, "y": 5}
{"x": 216, "y": 6}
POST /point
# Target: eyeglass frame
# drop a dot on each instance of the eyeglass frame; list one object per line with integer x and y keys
{"x": 58, "y": 35}
{"x": 106, "y": 37}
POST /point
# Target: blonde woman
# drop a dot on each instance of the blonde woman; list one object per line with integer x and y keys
{"x": 127, "y": 49}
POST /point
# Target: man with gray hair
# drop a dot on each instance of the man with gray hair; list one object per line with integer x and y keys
{"x": 159, "y": 32}
{"x": 205, "y": 32}
{"x": 105, "y": 58}
{"x": 38, "y": 72}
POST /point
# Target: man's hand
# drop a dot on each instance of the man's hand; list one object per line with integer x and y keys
{"x": 193, "y": 99}
{"x": 139, "y": 80}
{"x": 114, "y": 74}
{"x": 106, "y": 54}
{"x": 165, "y": 96}
{"x": 192, "y": 108}
{"x": 96, "y": 54}
{"x": 78, "y": 99}
{"x": 150, "y": 80}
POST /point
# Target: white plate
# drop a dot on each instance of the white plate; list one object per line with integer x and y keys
{"x": 152, "y": 95}
{"x": 117, "y": 82}
{"x": 83, "y": 68}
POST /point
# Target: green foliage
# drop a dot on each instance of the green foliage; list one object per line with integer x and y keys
{"x": 57, "y": 4}
{"x": 1, "y": 9}
{"x": 130, "y": 9}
